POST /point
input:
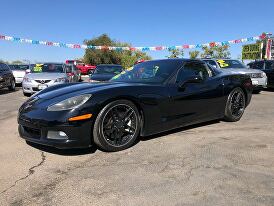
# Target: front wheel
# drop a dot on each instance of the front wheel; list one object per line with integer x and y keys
{"x": 117, "y": 126}
{"x": 12, "y": 85}
{"x": 90, "y": 72}
{"x": 235, "y": 105}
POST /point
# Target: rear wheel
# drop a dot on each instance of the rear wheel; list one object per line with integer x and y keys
{"x": 117, "y": 126}
{"x": 12, "y": 85}
{"x": 235, "y": 105}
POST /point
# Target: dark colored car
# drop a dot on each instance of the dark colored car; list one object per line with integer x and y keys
{"x": 105, "y": 72}
{"x": 152, "y": 97}
{"x": 7, "y": 79}
{"x": 267, "y": 66}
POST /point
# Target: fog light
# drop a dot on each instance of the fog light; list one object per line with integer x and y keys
{"x": 57, "y": 135}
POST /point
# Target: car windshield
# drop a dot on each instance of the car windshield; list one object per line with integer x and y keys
{"x": 19, "y": 67}
{"x": 230, "y": 64}
{"x": 51, "y": 68}
{"x": 148, "y": 72}
{"x": 70, "y": 62}
{"x": 110, "y": 69}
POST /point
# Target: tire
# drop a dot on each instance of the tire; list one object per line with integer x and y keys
{"x": 12, "y": 85}
{"x": 90, "y": 72}
{"x": 235, "y": 105}
{"x": 113, "y": 125}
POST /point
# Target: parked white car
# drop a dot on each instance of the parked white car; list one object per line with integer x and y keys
{"x": 19, "y": 72}
{"x": 43, "y": 76}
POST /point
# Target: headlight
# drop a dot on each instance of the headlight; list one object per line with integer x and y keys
{"x": 263, "y": 74}
{"x": 1, "y": 78}
{"x": 71, "y": 103}
{"x": 26, "y": 79}
{"x": 63, "y": 79}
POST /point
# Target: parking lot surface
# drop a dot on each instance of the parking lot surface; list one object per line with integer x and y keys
{"x": 217, "y": 163}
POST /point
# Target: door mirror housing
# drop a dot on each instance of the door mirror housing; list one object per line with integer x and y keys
{"x": 191, "y": 80}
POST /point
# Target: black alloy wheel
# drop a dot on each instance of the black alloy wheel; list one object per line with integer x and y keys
{"x": 235, "y": 105}
{"x": 117, "y": 126}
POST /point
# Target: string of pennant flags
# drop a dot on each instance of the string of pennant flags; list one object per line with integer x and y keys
{"x": 153, "y": 48}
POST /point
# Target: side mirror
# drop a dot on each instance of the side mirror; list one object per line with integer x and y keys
{"x": 191, "y": 80}
{"x": 28, "y": 71}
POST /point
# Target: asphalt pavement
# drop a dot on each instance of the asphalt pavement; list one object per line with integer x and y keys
{"x": 216, "y": 163}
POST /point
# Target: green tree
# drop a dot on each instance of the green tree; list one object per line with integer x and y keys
{"x": 2, "y": 61}
{"x": 17, "y": 62}
{"x": 175, "y": 53}
{"x": 194, "y": 54}
{"x": 104, "y": 56}
{"x": 216, "y": 52}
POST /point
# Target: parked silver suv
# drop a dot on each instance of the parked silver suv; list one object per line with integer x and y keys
{"x": 258, "y": 77}
{"x": 42, "y": 76}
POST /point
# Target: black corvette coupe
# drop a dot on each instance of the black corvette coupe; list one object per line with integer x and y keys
{"x": 152, "y": 97}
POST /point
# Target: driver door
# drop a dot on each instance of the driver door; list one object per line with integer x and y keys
{"x": 196, "y": 96}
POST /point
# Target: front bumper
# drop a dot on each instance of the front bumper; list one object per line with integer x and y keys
{"x": 35, "y": 129}
{"x": 259, "y": 83}
{"x": 33, "y": 87}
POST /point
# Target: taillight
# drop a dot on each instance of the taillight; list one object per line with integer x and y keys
{"x": 70, "y": 74}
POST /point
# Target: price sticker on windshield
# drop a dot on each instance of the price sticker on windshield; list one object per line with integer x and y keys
{"x": 38, "y": 68}
{"x": 222, "y": 63}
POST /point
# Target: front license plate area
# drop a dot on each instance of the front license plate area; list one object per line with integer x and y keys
{"x": 255, "y": 82}
{"x": 42, "y": 86}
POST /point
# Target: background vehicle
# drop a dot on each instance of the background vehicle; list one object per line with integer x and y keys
{"x": 43, "y": 76}
{"x": 267, "y": 66}
{"x": 258, "y": 77}
{"x": 154, "y": 96}
{"x": 19, "y": 71}
{"x": 73, "y": 73}
{"x": 105, "y": 72}
{"x": 84, "y": 68}
{"x": 6, "y": 77}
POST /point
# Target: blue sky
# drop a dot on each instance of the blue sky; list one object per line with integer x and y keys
{"x": 140, "y": 22}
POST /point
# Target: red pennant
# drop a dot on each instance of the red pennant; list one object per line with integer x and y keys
{"x": 263, "y": 36}
{"x": 132, "y": 48}
{"x": 76, "y": 46}
{"x": 212, "y": 44}
{"x": 186, "y": 46}
{"x": 49, "y": 43}
{"x": 158, "y": 48}
{"x": 105, "y": 48}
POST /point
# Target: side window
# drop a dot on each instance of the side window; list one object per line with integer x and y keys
{"x": 5, "y": 67}
{"x": 193, "y": 69}
{"x": 212, "y": 63}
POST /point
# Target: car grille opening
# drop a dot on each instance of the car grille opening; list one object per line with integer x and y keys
{"x": 35, "y": 89}
{"x": 42, "y": 81}
{"x": 32, "y": 133}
